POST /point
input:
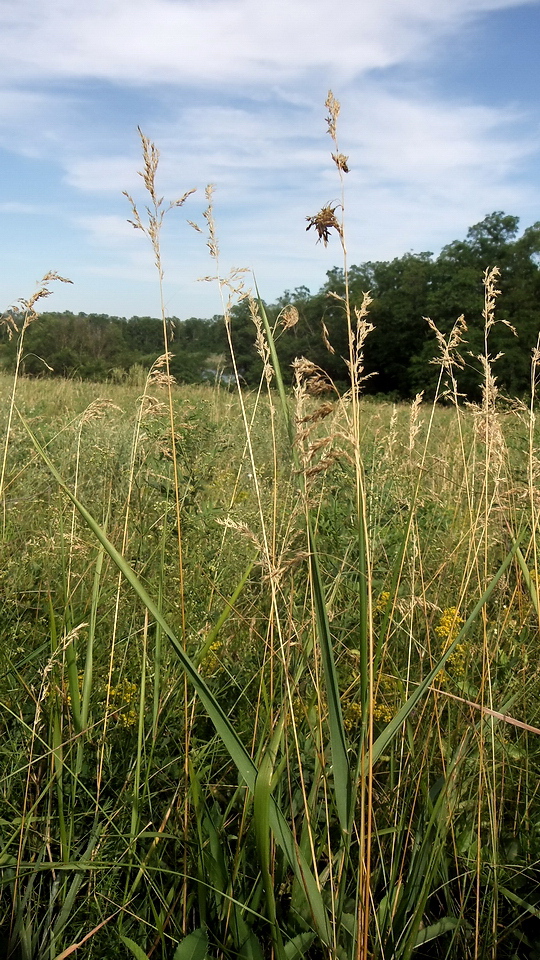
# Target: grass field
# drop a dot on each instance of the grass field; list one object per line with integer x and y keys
{"x": 269, "y": 665}
{"x": 122, "y": 804}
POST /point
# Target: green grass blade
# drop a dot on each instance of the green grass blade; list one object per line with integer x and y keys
{"x": 223, "y": 726}
{"x": 262, "y": 797}
{"x": 223, "y": 617}
{"x": 529, "y": 582}
{"x": 338, "y": 744}
{"x": 444, "y": 925}
{"x": 396, "y": 723}
{"x": 136, "y": 950}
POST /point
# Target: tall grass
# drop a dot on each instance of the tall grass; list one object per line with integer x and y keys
{"x": 268, "y": 669}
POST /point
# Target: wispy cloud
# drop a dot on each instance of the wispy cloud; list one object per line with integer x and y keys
{"x": 176, "y": 41}
{"x": 232, "y": 93}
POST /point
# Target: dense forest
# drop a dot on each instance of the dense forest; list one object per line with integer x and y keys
{"x": 398, "y": 352}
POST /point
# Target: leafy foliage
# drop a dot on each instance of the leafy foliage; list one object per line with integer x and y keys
{"x": 397, "y": 354}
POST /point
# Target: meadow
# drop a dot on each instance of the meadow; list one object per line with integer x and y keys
{"x": 269, "y": 665}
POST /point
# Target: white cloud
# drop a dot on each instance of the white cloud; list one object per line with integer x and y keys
{"x": 230, "y": 90}
{"x": 174, "y": 41}
{"x": 421, "y": 172}
{"x": 101, "y": 174}
{"x": 27, "y": 209}
{"x": 431, "y": 143}
{"x": 107, "y": 230}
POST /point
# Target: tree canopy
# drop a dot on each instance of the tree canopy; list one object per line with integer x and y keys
{"x": 398, "y": 352}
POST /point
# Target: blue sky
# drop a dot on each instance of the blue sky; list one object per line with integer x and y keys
{"x": 440, "y": 118}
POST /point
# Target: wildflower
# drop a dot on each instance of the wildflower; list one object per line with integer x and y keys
{"x": 458, "y": 660}
{"x": 212, "y": 662}
{"x": 382, "y": 601}
{"x": 383, "y": 709}
{"x": 447, "y": 630}
{"x": 448, "y": 627}
{"x": 382, "y": 712}
{"x": 122, "y": 700}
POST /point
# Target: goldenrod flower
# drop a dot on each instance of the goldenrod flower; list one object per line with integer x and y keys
{"x": 449, "y": 624}
{"x": 382, "y": 601}
{"x": 121, "y": 698}
{"x": 212, "y": 663}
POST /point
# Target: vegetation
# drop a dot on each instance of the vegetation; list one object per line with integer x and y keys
{"x": 268, "y": 668}
{"x": 398, "y": 354}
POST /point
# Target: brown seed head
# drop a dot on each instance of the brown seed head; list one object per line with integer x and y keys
{"x": 324, "y": 221}
{"x": 341, "y": 161}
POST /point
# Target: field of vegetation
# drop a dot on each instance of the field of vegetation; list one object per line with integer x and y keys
{"x": 269, "y": 666}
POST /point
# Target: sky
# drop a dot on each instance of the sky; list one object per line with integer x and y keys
{"x": 440, "y": 119}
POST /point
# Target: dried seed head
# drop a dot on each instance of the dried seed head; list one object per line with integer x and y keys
{"x": 151, "y": 406}
{"x": 151, "y": 161}
{"x": 181, "y": 200}
{"x": 341, "y": 162}
{"x": 289, "y": 317}
{"x": 324, "y": 221}
{"x": 97, "y": 409}
{"x": 212, "y": 242}
{"x": 158, "y": 373}
{"x": 333, "y": 107}
{"x": 261, "y": 344}
{"x": 319, "y": 414}
{"x": 326, "y": 339}
{"x": 449, "y": 355}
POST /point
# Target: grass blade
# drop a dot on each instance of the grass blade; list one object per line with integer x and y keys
{"x": 223, "y": 726}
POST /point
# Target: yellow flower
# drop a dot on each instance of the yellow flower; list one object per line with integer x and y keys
{"x": 382, "y": 601}
{"x": 382, "y": 712}
{"x": 121, "y": 700}
{"x": 352, "y": 716}
{"x": 449, "y": 624}
{"x": 458, "y": 660}
{"x": 212, "y": 662}
{"x": 448, "y": 630}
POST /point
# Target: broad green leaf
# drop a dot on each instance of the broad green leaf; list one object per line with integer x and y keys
{"x": 249, "y": 947}
{"x": 193, "y": 947}
{"x": 436, "y": 930}
{"x": 296, "y": 948}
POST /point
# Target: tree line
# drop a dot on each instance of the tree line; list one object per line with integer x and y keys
{"x": 398, "y": 353}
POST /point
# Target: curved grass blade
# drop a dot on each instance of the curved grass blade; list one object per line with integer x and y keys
{"x": 338, "y": 743}
{"x": 261, "y": 814}
{"x": 238, "y": 753}
{"x": 136, "y": 950}
{"x": 396, "y": 723}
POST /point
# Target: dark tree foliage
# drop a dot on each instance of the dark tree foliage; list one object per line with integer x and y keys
{"x": 398, "y": 352}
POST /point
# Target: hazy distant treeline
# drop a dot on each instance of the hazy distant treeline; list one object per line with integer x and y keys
{"x": 398, "y": 352}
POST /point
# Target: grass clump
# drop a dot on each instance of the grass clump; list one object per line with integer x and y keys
{"x": 268, "y": 668}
